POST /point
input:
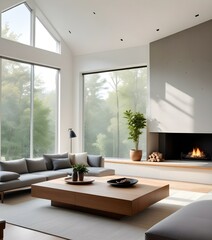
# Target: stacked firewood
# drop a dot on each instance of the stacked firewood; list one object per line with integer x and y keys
{"x": 155, "y": 157}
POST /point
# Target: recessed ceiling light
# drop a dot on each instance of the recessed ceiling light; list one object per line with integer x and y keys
{"x": 158, "y": 29}
{"x": 197, "y": 15}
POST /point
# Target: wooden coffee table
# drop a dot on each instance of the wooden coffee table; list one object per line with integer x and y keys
{"x": 101, "y": 198}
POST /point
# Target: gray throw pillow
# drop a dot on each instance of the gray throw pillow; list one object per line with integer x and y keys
{"x": 94, "y": 160}
{"x": 60, "y": 163}
{"x": 8, "y": 176}
{"x": 18, "y": 166}
{"x": 36, "y": 164}
{"x": 48, "y": 159}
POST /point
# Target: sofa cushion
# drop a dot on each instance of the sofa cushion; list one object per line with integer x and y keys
{"x": 81, "y": 158}
{"x": 95, "y": 160}
{"x": 100, "y": 171}
{"x": 8, "y": 176}
{"x": 18, "y": 166}
{"x": 48, "y": 159}
{"x": 60, "y": 163}
{"x": 25, "y": 180}
{"x": 50, "y": 174}
{"x": 36, "y": 164}
{"x": 67, "y": 171}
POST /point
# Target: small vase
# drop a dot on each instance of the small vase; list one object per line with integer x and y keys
{"x": 75, "y": 176}
{"x": 81, "y": 176}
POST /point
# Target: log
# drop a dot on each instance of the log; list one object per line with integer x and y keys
{"x": 155, "y": 157}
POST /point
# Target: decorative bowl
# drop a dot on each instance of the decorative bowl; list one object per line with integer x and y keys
{"x": 122, "y": 182}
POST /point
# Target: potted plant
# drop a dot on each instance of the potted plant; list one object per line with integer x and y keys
{"x": 74, "y": 174}
{"x": 136, "y": 122}
{"x": 81, "y": 169}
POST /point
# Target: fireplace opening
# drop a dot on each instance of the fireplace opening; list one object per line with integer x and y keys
{"x": 186, "y": 146}
{"x": 195, "y": 154}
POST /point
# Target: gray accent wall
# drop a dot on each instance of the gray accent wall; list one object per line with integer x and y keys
{"x": 181, "y": 81}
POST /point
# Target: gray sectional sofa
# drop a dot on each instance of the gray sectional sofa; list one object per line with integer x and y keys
{"x": 21, "y": 173}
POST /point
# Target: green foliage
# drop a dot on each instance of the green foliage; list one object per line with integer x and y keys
{"x": 100, "y": 143}
{"x": 7, "y": 33}
{"x": 136, "y": 121}
{"x": 42, "y": 135}
{"x": 81, "y": 168}
{"x": 106, "y": 97}
{"x": 16, "y": 113}
{"x": 96, "y": 114}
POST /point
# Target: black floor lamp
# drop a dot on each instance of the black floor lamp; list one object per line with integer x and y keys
{"x": 71, "y": 135}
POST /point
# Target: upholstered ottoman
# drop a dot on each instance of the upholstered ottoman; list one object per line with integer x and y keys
{"x": 192, "y": 222}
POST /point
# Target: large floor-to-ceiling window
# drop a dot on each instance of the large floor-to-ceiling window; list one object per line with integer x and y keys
{"x": 28, "y": 109}
{"x": 28, "y": 91}
{"x": 106, "y": 96}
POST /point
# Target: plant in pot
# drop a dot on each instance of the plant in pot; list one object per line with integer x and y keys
{"x": 74, "y": 174}
{"x": 136, "y": 122}
{"x": 80, "y": 169}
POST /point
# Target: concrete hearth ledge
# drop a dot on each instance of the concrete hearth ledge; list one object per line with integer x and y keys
{"x": 166, "y": 163}
{"x": 185, "y": 171}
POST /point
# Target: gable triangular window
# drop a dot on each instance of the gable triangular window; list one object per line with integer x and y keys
{"x": 17, "y": 25}
{"x": 43, "y": 39}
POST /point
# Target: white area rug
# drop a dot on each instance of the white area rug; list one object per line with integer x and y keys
{"x": 23, "y": 210}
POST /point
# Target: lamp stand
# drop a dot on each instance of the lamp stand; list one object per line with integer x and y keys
{"x": 70, "y": 145}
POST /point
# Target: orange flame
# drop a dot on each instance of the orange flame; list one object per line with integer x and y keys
{"x": 196, "y": 153}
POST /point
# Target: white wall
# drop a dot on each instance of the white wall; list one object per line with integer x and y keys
{"x": 8, "y": 4}
{"x": 62, "y": 61}
{"x": 110, "y": 60}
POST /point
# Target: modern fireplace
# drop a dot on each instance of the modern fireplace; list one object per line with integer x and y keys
{"x": 186, "y": 146}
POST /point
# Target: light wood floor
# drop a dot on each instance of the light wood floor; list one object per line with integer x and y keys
{"x": 14, "y": 232}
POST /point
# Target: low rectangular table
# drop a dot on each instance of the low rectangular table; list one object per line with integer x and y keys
{"x": 99, "y": 197}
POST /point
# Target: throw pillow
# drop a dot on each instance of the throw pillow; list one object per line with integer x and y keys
{"x": 95, "y": 160}
{"x": 18, "y": 166}
{"x": 8, "y": 176}
{"x": 48, "y": 159}
{"x": 71, "y": 158}
{"x": 36, "y": 164}
{"x": 81, "y": 158}
{"x": 60, "y": 163}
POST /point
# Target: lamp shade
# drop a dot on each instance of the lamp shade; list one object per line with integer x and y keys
{"x": 72, "y": 134}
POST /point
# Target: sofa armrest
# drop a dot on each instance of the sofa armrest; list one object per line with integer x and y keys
{"x": 95, "y": 160}
{"x": 190, "y": 222}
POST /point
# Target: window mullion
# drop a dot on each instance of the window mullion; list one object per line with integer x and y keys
{"x": 32, "y": 33}
{"x": 0, "y": 102}
{"x": 31, "y": 110}
{"x": 57, "y": 111}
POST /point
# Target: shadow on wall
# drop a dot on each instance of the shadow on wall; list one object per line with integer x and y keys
{"x": 154, "y": 125}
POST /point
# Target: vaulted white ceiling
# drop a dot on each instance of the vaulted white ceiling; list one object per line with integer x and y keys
{"x": 89, "y": 26}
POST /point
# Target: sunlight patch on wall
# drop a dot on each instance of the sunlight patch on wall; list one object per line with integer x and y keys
{"x": 172, "y": 111}
{"x": 179, "y": 108}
